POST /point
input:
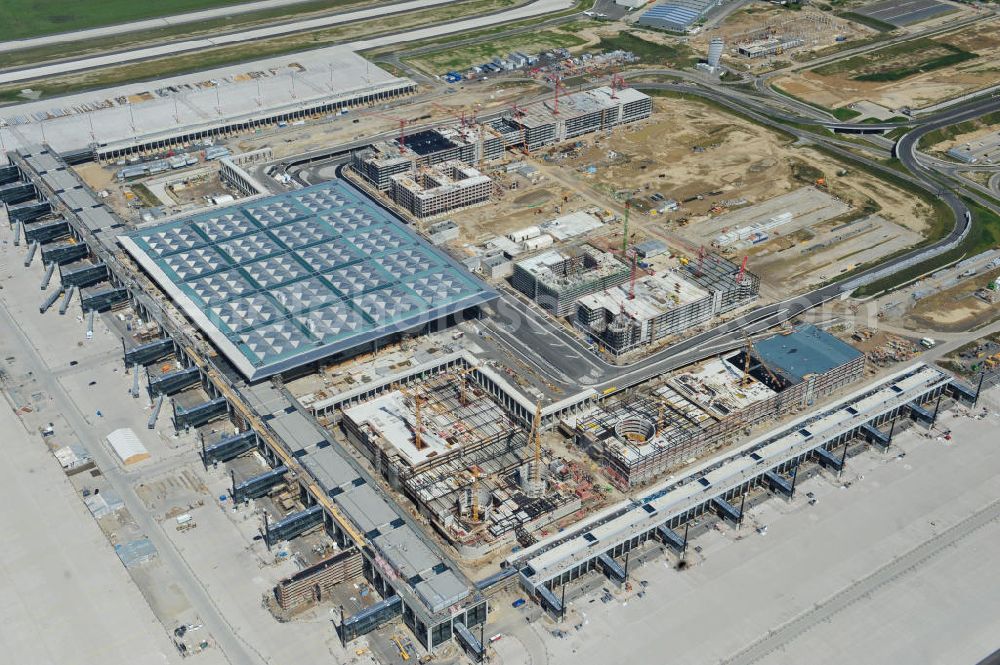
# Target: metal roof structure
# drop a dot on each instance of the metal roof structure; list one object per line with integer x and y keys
{"x": 282, "y": 281}
{"x": 677, "y": 15}
{"x": 137, "y": 112}
{"x": 425, "y": 577}
{"x": 806, "y": 350}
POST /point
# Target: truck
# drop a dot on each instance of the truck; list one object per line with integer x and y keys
{"x": 927, "y": 343}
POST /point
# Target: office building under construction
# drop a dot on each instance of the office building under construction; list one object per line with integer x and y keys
{"x": 558, "y": 278}
{"x": 467, "y": 464}
{"x": 441, "y": 189}
{"x": 644, "y": 311}
{"x": 640, "y": 436}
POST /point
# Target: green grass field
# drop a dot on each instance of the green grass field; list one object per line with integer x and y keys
{"x": 229, "y": 22}
{"x": 940, "y": 135}
{"x": 650, "y": 53}
{"x": 899, "y": 61}
{"x": 33, "y": 18}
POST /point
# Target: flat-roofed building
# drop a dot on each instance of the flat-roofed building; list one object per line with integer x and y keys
{"x": 558, "y": 278}
{"x": 626, "y": 318}
{"x": 441, "y": 189}
{"x": 285, "y": 281}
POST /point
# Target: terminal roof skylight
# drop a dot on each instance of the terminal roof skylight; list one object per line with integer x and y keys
{"x": 286, "y": 280}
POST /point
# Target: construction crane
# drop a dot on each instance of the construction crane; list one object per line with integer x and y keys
{"x": 750, "y": 350}
{"x": 617, "y": 83}
{"x": 518, "y": 112}
{"x": 475, "y": 494}
{"x": 557, "y": 83}
{"x": 743, "y": 271}
{"x": 450, "y": 112}
{"x": 701, "y": 260}
{"x": 631, "y": 285}
{"x": 403, "y": 653}
{"x": 628, "y": 207}
{"x": 418, "y": 422}
{"x": 536, "y": 440}
{"x": 402, "y": 126}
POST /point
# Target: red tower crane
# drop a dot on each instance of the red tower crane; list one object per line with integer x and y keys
{"x": 617, "y": 83}
{"x": 558, "y": 84}
{"x": 402, "y": 127}
{"x": 743, "y": 270}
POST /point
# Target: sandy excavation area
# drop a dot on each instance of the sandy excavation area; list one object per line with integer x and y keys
{"x": 841, "y": 88}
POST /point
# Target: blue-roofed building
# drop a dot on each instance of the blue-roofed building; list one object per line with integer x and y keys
{"x": 676, "y": 15}
{"x": 284, "y": 281}
{"x": 805, "y": 352}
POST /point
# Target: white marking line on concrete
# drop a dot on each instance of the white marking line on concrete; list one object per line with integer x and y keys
{"x": 848, "y": 595}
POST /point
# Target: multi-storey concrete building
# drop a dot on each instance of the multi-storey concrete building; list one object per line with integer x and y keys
{"x": 581, "y": 113}
{"x": 557, "y": 279}
{"x": 641, "y": 437}
{"x": 536, "y": 125}
{"x": 450, "y": 186}
{"x": 625, "y": 318}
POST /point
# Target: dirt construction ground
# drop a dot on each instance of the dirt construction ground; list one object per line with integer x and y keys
{"x": 916, "y": 91}
{"x": 955, "y": 309}
{"x": 728, "y": 162}
{"x": 716, "y": 156}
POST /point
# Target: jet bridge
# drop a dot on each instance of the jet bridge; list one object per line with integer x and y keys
{"x": 726, "y": 509}
{"x": 549, "y": 599}
{"x": 174, "y": 382}
{"x": 150, "y": 352}
{"x": 828, "y": 459}
{"x": 778, "y": 482}
{"x": 258, "y": 486}
{"x": 294, "y": 525}
{"x": 469, "y": 642}
{"x": 230, "y": 447}
{"x": 670, "y": 538}
{"x": 612, "y": 568}
{"x": 201, "y": 414}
